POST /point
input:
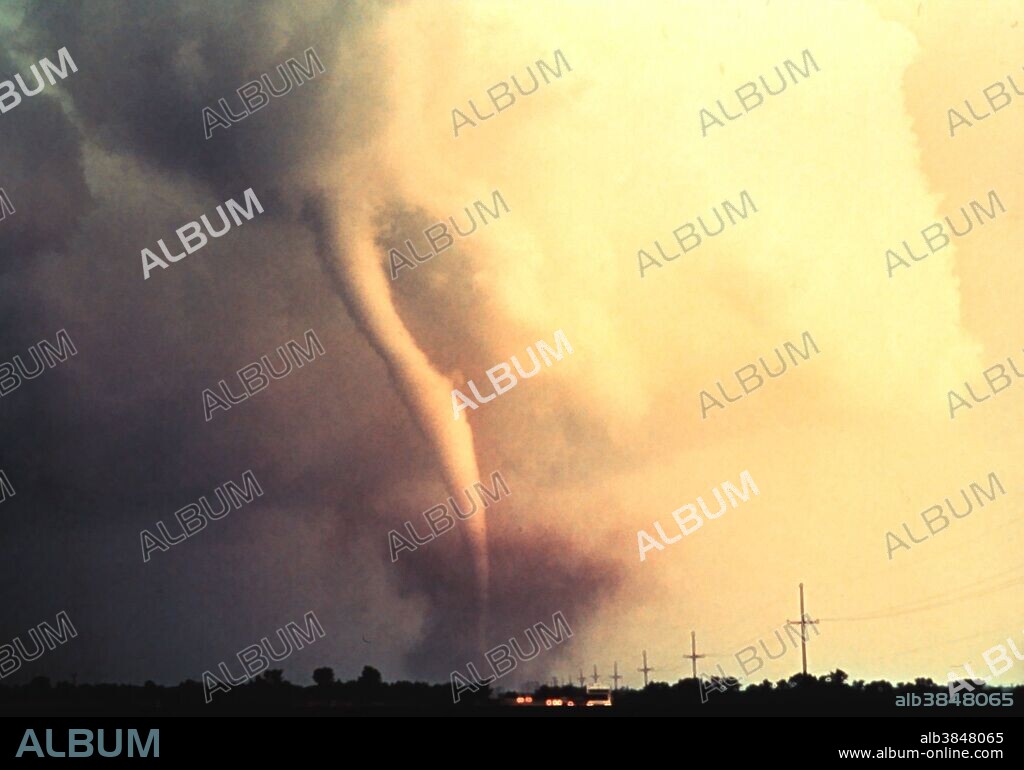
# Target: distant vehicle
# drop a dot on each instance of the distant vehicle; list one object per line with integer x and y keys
{"x": 598, "y": 695}
{"x": 558, "y": 702}
{"x": 513, "y": 699}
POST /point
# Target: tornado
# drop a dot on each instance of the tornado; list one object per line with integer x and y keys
{"x": 345, "y": 226}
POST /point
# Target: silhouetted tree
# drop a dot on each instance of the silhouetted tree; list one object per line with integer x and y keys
{"x": 324, "y": 676}
{"x": 838, "y": 677}
{"x": 269, "y": 693}
{"x": 370, "y": 678}
{"x": 368, "y": 686}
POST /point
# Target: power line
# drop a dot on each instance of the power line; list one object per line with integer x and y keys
{"x": 942, "y": 643}
{"x": 934, "y": 601}
{"x": 892, "y": 613}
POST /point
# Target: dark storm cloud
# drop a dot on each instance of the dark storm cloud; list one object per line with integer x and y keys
{"x": 151, "y": 68}
{"x": 533, "y": 578}
{"x": 114, "y": 439}
{"x": 144, "y": 74}
{"x": 41, "y": 172}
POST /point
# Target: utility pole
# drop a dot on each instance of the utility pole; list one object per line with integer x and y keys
{"x": 554, "y": 681}
{"x": 804, "y": 622}
{"x": 616, "y": 677}
{"x": 693, "y": 652}
{"x": 582, "y": 680}
{"x": 645, "y": 669}
{"x": 595, "y": 677}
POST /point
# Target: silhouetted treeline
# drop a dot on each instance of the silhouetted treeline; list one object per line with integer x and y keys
{"x": 829, "y": 695}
